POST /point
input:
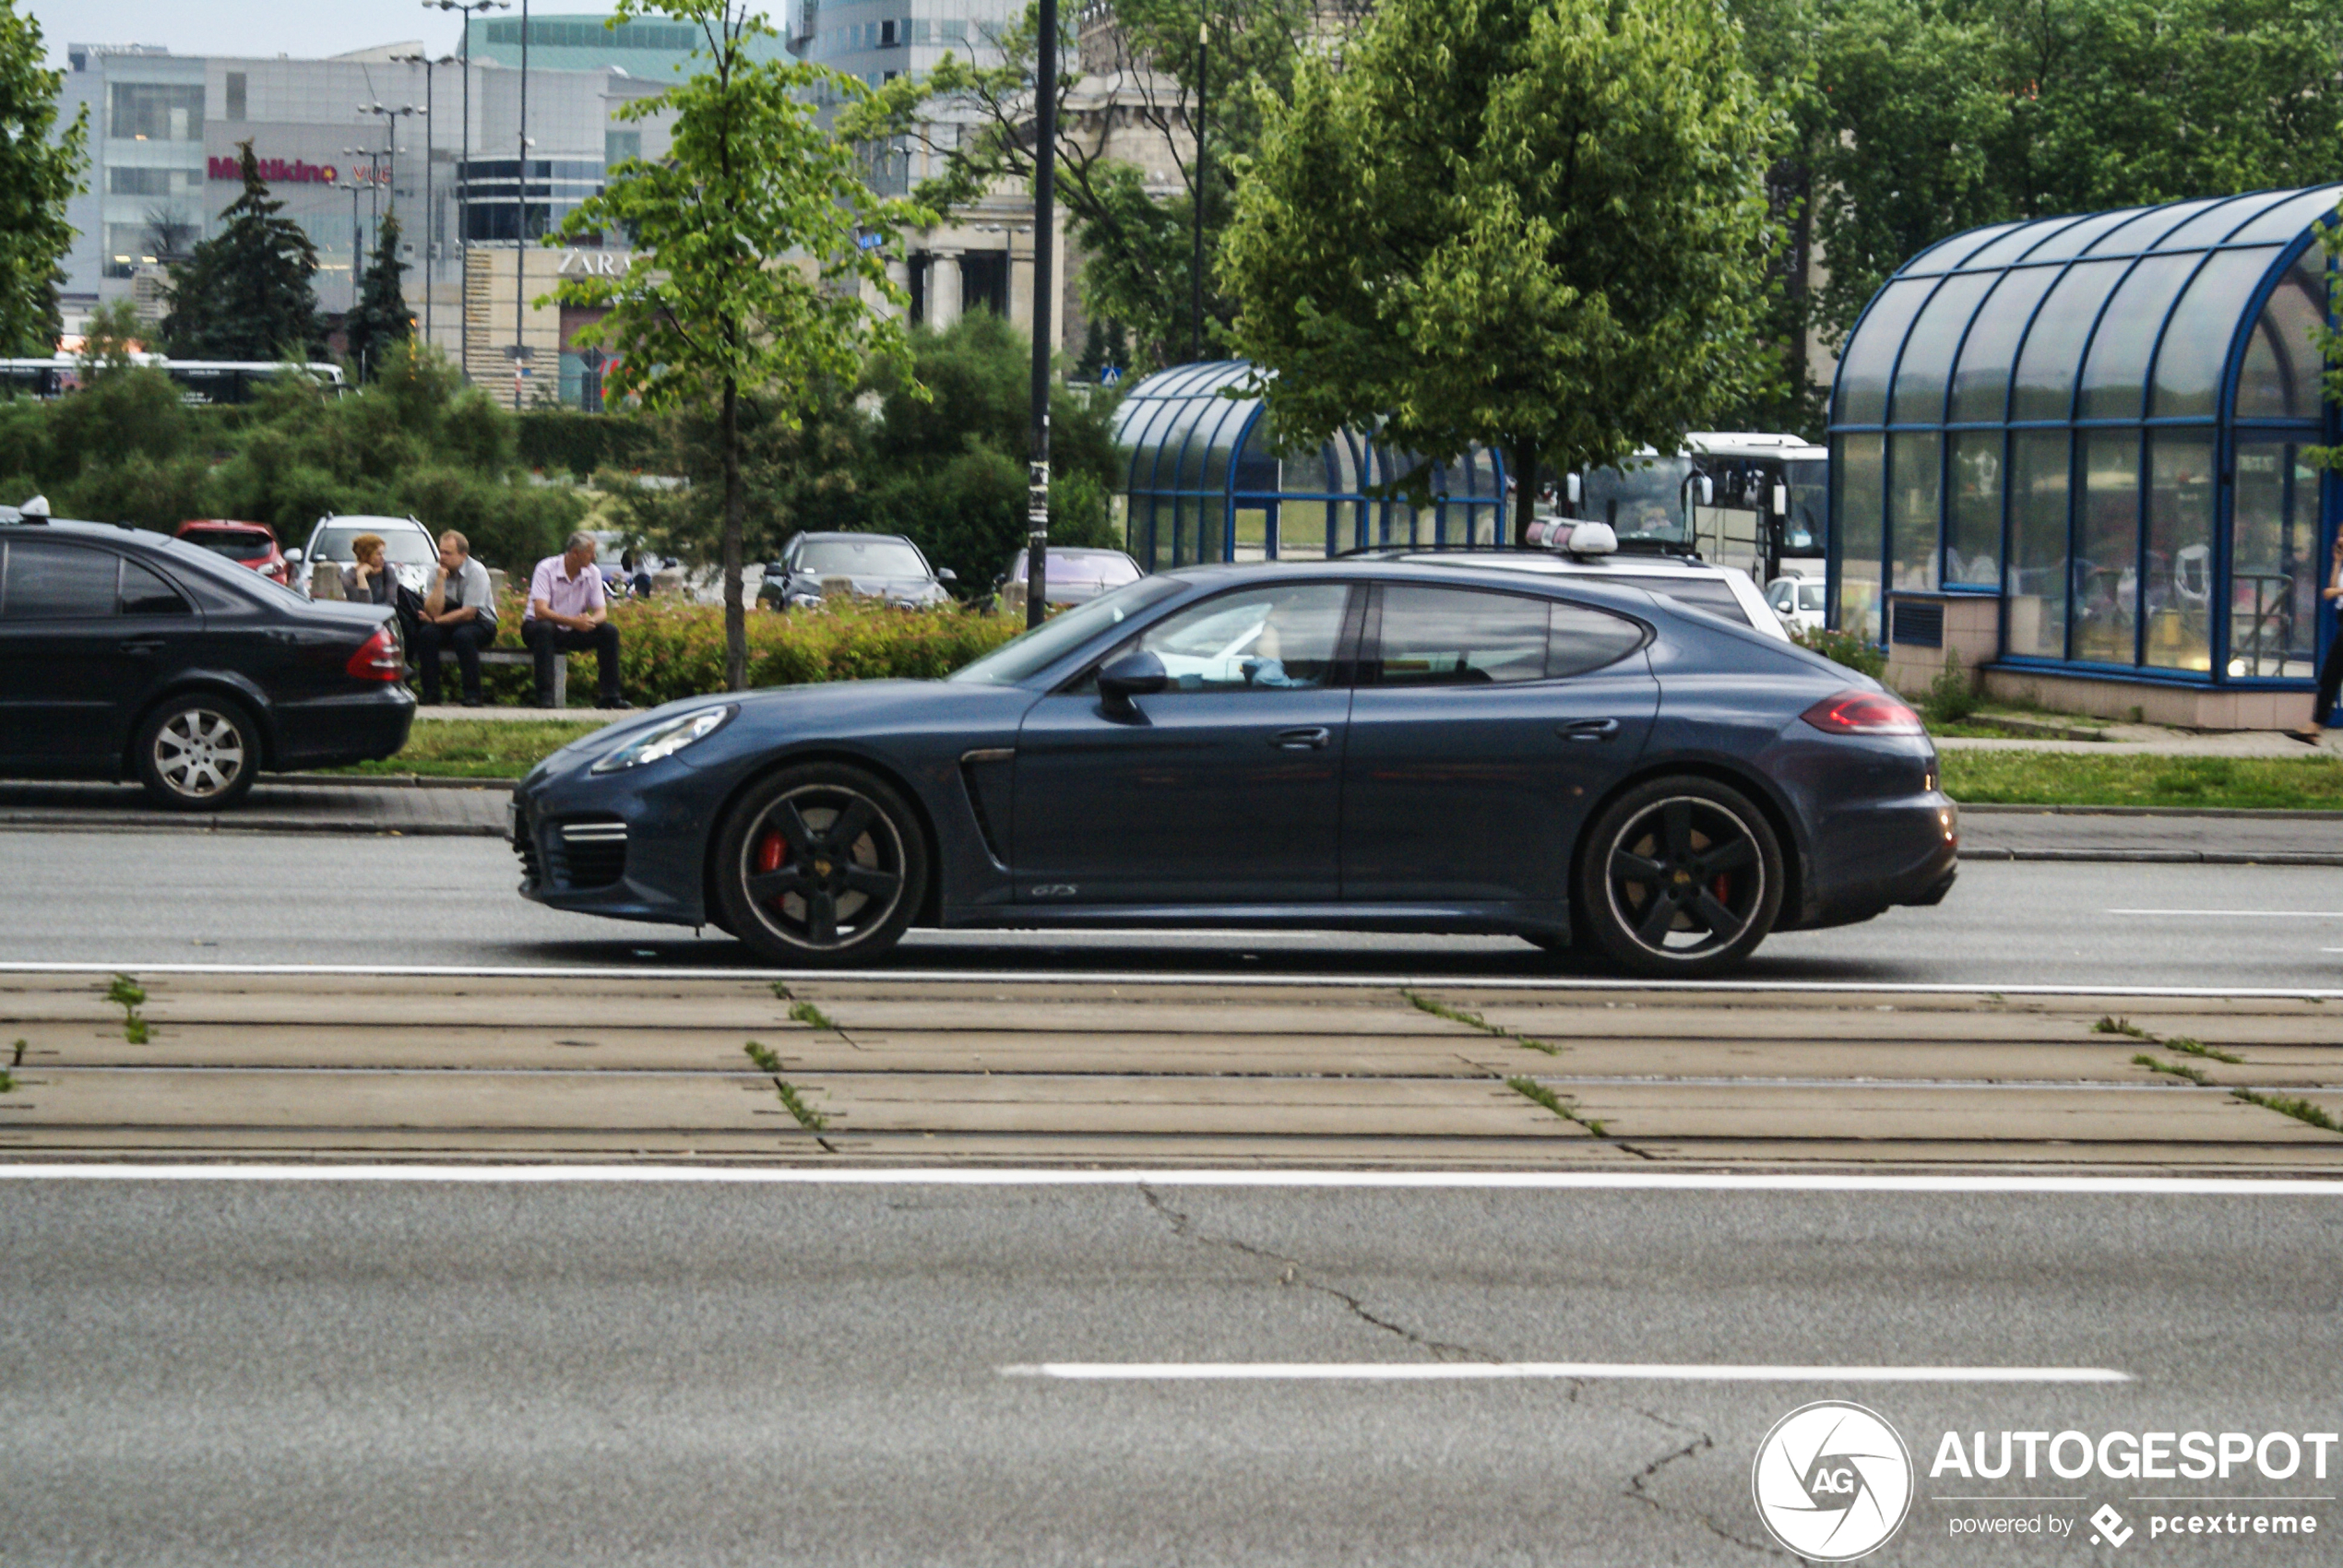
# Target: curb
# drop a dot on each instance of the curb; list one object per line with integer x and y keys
{"x": 2164, "y": 856}
{"x": 347, "y": 827}
{"x": 2216, "y": 814}
{"x": 408, "y": 781}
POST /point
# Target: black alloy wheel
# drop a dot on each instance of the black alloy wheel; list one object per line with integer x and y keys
{"x": 1681, "y": 878}
{"x": 822, "y": 863}
{"x": 199, "y": 751}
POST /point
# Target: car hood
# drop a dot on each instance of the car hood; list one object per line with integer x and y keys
{"x": 871, "y": 587}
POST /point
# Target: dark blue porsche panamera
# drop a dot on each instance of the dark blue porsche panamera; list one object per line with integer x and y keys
{"x": 1457, "y": 744}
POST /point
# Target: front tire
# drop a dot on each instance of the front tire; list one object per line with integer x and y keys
{"x": 822, "y": 863}
{"x": 1681, "y": 879}
{"x": 198, "y": 751}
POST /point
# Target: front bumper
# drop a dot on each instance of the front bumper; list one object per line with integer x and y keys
{"x": 629, "y": 848}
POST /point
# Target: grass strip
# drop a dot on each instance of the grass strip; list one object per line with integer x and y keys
{"x": 2174, "y": 1069}
{"x": 807, "y": 1117}
{"x": 2289, "y": 1105}
{"x": 2197, "y": 1047}
{"x": 477, "y": 748}
{"x": 2073, "y": 778}
{"x": 1530, "y": 1088}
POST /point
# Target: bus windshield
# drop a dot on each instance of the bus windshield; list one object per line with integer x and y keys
{"x": 1641, "y": 499}
{"x": 1802, "y": 532}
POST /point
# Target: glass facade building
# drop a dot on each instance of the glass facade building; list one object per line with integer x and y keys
{"x": 2097, "y": 424}
{"x": 1201, "y": 481}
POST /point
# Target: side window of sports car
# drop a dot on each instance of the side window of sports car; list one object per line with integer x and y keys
{"x": 1255, "y": 640}
{"x": 1579, "y": 640}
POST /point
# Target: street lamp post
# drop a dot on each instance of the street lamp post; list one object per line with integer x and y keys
{"x": 1045, "y": 144}
{"x": 520, "y": 226}
{"x": 431, "y": 212}
{"x": 1196, "y": 280}
{"x": 464, "y": 156}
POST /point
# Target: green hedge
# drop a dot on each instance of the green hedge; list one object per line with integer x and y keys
{"x": 563, "y": 441}
{"x": 671, "y": 649}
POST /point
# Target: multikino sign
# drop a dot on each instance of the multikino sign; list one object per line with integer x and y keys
{"x": 277, "y": 170}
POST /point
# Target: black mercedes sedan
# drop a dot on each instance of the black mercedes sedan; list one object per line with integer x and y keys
{"x": 1438, "y": 743}
{"x": 126, "y": 654}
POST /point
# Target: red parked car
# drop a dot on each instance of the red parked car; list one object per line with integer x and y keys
{"x": 247, "y": 545}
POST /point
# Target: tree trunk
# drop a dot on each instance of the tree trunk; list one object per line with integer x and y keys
{"x": 1521, "y": 456}
{"x": 735, "y": 523}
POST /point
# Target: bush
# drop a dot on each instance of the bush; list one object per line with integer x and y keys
{"x": 1952, "y": 696}
{"x": 564, "y": 441}
{"x": 1844, "y": 647}
{"x": 671, "y": 649}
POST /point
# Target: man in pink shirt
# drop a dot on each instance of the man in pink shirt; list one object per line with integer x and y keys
{"x": 567, "y": 613}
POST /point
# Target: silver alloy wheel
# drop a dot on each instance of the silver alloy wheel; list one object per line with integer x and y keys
{"x": 1685, "y": 878}
{"x": 823, "y": 867}
{"x": 200, "y": 754}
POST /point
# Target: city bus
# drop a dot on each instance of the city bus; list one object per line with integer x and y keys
{"x": 1756, "y": 500}
{"x": 200, "y": 381}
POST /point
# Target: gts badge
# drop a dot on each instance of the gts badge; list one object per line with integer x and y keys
{"x": 1055, "y": 890}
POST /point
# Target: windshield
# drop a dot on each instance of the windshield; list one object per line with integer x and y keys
{"x": 876, "y": 557}
{"x": 1809, "y": 505}
{"x": 1059, "y": 635}
{"x": 402, "y": 546}
{"x": 1640, "y": 503}
{"x": 1713, "y": 594}
{"x": 236, "y": 546}
{"x": 1106, "y": 568}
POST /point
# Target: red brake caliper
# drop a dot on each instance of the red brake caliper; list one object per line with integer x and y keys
{"x": 771, "y": 851}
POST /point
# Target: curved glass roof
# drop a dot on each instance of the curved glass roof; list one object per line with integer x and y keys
{"x": 1203, "y": 481}
{"x": 2134, "y": 314}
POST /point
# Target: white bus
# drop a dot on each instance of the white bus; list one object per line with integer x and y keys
{"x": 200, "y": 381}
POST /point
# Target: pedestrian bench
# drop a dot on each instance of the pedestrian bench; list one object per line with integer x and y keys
{"x": 526, "y": 661}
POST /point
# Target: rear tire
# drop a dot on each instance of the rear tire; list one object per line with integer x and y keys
{"x": 198, "y": 751}
{"x": 822, "y": 863}
{"x": 1682, "y": 878}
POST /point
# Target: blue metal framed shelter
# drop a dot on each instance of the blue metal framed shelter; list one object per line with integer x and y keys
{"x": 1201, "y": 481}
{"x": 2099, "y": 421}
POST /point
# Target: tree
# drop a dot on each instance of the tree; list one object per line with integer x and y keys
{"x": 247, "y": 293}
{"x": 40, "y": 171}
{"x": 975, "y": 125}
{"x": 380, "y": 317}
{"x": 1535, "y": 225}
{"x": 750, "y": 267}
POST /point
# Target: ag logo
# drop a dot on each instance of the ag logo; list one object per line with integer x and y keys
{"x": 1832, "y": 1481}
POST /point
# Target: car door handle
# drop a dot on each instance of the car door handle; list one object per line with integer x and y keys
{"x": 1301, "y": 740}
{"x": 1589, "y": 730}
{"x": 143, "y": 646}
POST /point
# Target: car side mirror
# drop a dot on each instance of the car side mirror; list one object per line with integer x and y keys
{"x": 294, "y": 555}
{"x": 945, "y": 574}
{"x": 1132, "y": 675}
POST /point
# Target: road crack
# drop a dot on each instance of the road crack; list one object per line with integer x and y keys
{"x": 1292, "y": 1272}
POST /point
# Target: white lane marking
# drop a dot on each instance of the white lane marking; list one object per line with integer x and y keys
{"x": 1475, "y": 1372}
{"x": 2241, "y": 914}
{"x": 1108, "y": 977}
{"x": 1468, "y": 1180}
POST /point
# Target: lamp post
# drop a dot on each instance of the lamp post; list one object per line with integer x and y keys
{"x": 431, "y": 211}
{"x": 464, "y": 154}
{"x": 1196, "y": 281}
{"x": 1045, "y": 146}
{"x": 520, "y": 225}
{"x": 357, "y": 243}
{"x": 391, "y": 118}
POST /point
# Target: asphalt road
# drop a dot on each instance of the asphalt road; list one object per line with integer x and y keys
{"x": 569, "y": 1374}
{"x": 154, "y": 898}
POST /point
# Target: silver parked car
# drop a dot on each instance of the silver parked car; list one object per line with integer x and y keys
{"x": 409, "y": 547}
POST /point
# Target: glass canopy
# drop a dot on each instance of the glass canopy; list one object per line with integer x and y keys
{"x": 2104, "y": 420}
{"x": 1202, "y": 482}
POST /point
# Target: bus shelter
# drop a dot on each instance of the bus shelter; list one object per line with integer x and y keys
{"x": 1201, "y": 481}
{"x": 2074, "y": 451}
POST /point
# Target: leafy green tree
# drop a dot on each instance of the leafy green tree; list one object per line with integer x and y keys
{"x": 749, "y": 271}
{"x": 381, "y": 317}
{"x": 40, "y": 171}
{"x": 1538, "y": 225}
{"x": 248, "y": 292}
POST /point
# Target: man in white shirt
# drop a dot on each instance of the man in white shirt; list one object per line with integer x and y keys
{"x": 459, "y": 616}
{"x": 567, "y": 613}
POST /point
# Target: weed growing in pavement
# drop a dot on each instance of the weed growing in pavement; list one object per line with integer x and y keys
{"x": 806, "y": 1012}
{"x": 1475, "y": 1021}
{"x": 7, "y": 1081}
{"x": 780, "y": 989}
{"x": 2174, "y": 1069}
{"x": 1530, "y": 1088}
{"x": 807, "y": 1117}
{"x": 16, "y": 1058}
{"x": 2289, "y": 1105}
{"x": 2107, "y": 1025}
{"x": 127, "y": 994}
{"x": 2197, "y": 1047}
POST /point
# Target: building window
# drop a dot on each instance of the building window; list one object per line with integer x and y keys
{"x": 153, "y": 112}
{"x": 235, "y": 95}
{"x": 620, "y": 146}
